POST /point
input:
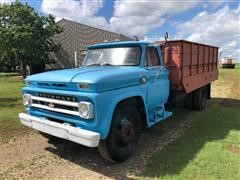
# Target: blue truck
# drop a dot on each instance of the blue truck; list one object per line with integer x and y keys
{"x": 120, "y": 88}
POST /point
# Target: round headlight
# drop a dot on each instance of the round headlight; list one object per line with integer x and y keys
{"x": 28, "y": 83}
{"x": 85, "y": 110}
{"x": 27, "y": 100}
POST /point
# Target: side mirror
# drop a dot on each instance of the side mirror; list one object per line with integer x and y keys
{"x": 166, "y": 36}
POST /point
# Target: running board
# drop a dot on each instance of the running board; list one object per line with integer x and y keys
{"x": 157, "y": 115}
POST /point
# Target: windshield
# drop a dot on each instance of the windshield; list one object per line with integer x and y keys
{"x": 116, "y": 56}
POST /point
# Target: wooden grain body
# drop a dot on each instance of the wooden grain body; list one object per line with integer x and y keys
{"x": 191, "y": 65}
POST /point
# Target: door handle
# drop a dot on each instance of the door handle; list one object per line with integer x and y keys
{"x": 143, "y": 79}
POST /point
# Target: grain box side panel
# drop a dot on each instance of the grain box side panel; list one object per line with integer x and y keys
{"x": 172, "y": 60}
{"x": 194, "y": 59}
{"x": 191, "y": 65}
{"x": 211, "y": 56}
{"x": 207, "y": 73}
{"x": 215, "y": 58}
{"x": 186, "y": 59}
{"x": 206, "y": 57}
{"x": 201, "y": 58}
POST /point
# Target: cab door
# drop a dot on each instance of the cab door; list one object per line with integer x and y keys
{"x": 157, "y": 75}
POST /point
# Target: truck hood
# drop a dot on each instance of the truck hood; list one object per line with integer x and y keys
{"x": 99, "y": 78}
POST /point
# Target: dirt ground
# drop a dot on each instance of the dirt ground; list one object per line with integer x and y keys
{"x": 32, "y": 156}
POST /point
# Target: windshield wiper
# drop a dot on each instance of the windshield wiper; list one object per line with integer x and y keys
{"x": 98, "y": 64}
{"x": 94, "y": 64}
{"x": 107, "y": 64}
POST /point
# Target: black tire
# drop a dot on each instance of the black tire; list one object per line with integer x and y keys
{"x": 200, "y": 98}
{"x": 204, "y": 97}
{"x": 189, "y": 101}
{"x": 123, "y": 136}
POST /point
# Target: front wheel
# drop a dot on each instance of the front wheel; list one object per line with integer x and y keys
{"x": 123, "y": 135}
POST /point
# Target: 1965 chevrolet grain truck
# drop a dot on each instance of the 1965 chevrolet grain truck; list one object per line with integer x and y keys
{"x": 120, "y": 87}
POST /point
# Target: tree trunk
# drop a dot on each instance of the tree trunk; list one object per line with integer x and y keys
{"x": 23, "y": 70}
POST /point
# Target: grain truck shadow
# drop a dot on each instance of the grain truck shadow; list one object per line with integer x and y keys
{"x": 176, "y": 157}
{"x": 160, "y": 138}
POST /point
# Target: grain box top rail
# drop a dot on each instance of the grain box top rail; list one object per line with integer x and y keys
{"x": 181, "y": 40}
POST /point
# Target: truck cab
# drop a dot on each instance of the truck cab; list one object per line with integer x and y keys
{"x": 119, "y": 88}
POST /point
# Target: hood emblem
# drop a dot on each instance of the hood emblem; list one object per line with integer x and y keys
{"x": 51, "y": 105}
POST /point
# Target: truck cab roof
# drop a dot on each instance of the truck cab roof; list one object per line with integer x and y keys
{"x": 118, "y": 43}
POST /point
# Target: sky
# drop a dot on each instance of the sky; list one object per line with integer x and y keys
{"x": 215, "y": 22}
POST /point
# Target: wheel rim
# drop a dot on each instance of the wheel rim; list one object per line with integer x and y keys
{"x": 125, "y": 132}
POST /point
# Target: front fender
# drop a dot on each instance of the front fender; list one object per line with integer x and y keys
{"x": 111, "y": 99}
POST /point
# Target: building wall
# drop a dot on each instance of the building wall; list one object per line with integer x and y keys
{"x": 75, "y": 38}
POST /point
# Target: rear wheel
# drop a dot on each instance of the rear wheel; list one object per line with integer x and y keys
{"x": 200, "y": 98}
{"x": 123, "y": 135}
{"x": 189, "y": 101}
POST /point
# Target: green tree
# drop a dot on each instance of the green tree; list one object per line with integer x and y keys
{"x": 26, "y": 38}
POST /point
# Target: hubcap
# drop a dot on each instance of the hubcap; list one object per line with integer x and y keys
{"x": 125, "y": 132}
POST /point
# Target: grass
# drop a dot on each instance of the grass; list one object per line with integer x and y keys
{"x": 10, "y": 106}
{"x": 210, "y": 149}
{"x": 229, "y": 82}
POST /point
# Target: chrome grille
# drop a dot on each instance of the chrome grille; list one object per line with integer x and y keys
{"x": 61, "y": 104}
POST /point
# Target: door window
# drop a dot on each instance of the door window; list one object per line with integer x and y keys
{"x": 152, "y": 57}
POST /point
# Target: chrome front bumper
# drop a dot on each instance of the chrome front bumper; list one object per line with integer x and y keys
{"x": 77, "y": 135}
